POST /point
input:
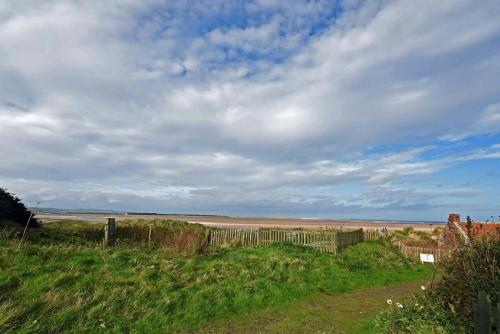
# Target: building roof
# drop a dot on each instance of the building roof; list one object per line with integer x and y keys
{"x": 482, "y": 229}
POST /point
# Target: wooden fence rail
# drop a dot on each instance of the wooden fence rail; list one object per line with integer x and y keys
{"x": 325, "y": 240}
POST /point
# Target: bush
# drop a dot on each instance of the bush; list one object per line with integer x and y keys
{"x": 447, "y": 306}
{"x": 420, "y": 314}
{"x": 468, "y": 271}
{"x": 12, "y": 209}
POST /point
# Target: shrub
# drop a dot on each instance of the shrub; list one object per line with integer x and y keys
{"x": 419, "y": 314}
{"x": 468, "y": 271}
{"x": 13, "y": 209}
{"x": 447, "y": 306}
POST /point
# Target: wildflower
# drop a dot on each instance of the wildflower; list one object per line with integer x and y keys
{"x": 416, "y": 304}
{"x": 423, "y": 287}
{"x": 389, "y": 301}
{"x": 399, "y": 305}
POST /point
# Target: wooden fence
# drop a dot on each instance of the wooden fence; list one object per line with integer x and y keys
{"x": 414, "y": 252}
{"x": 374, "y": 234}
{"x": 325, "y": 240}
{"x": 486, "y": 316}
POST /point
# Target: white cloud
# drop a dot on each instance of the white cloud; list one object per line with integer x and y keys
{"x": 117, "y": 93}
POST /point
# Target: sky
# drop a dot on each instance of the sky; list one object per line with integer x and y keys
{"x": 341, "y": 109}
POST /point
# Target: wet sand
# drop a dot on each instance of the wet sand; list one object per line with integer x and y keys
{"x": 235, "y": 222}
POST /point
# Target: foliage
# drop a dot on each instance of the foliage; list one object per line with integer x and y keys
{"x": 364, "y": 257}
{"x": 13, "y": 209}
{"x": 447, "y": 306}
{"x": 404, "y": 234}
{"x": 180, "y": 237}
{"x": 60, "y": 286}
{"x": 419, "y": 314}
{"x": 411, "y": 237}
{"x": 470, "y": 270}
{"x": 174, "y": 236}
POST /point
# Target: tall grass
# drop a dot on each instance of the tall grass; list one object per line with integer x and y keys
{"x": 178, "y": 237}
{"x": 64, "y": 287}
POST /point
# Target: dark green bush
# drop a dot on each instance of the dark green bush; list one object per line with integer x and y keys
{"x": 13, "y": 209}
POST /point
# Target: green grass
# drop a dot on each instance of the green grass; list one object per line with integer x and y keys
{"x": 344, "y": 313}
{"x": 64, "y": 287}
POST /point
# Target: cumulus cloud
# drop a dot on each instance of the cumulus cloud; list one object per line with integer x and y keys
{"x": 237, "y": 106}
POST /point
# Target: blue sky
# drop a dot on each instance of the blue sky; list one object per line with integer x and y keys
{"x": 343, "y": 109}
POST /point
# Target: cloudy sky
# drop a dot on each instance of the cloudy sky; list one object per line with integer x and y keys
{"x": 344, "y": 109}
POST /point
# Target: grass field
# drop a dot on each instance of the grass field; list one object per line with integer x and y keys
{"x": 54, "y": 284}
{"x": 340, "y": 313}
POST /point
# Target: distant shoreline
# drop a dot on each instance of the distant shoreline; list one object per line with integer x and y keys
{"x": 248, "y": 222}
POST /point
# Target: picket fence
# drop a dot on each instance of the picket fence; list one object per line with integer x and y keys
{"x": 325, "y": 240}
{"x": 413, "y": 252}
{"x": 374, "y": 234}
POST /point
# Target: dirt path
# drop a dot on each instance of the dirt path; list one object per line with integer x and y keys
{"x": 339, "y": 313}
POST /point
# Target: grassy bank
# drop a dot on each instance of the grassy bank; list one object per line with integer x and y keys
{"x": 175, "y": 235}
{"x": 344, "y": 313}
{"x": 61, "y": 287}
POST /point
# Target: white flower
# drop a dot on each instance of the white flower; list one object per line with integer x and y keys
{"x": 389, "y": 301}
{"x": 399, "y": 305}
{"x": 423, "y": 287}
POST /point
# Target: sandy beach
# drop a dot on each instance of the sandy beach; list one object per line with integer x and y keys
{"x": 236, "y": 222}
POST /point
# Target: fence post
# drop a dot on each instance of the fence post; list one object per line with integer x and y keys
{"x": 105, "y": 241}
{"x": 110, "y": 231}
{"x": 149, "y": 236}
{"x": 482, "y": 314}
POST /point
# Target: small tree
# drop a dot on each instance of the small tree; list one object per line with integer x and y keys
{"x": 13, "y": 209}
